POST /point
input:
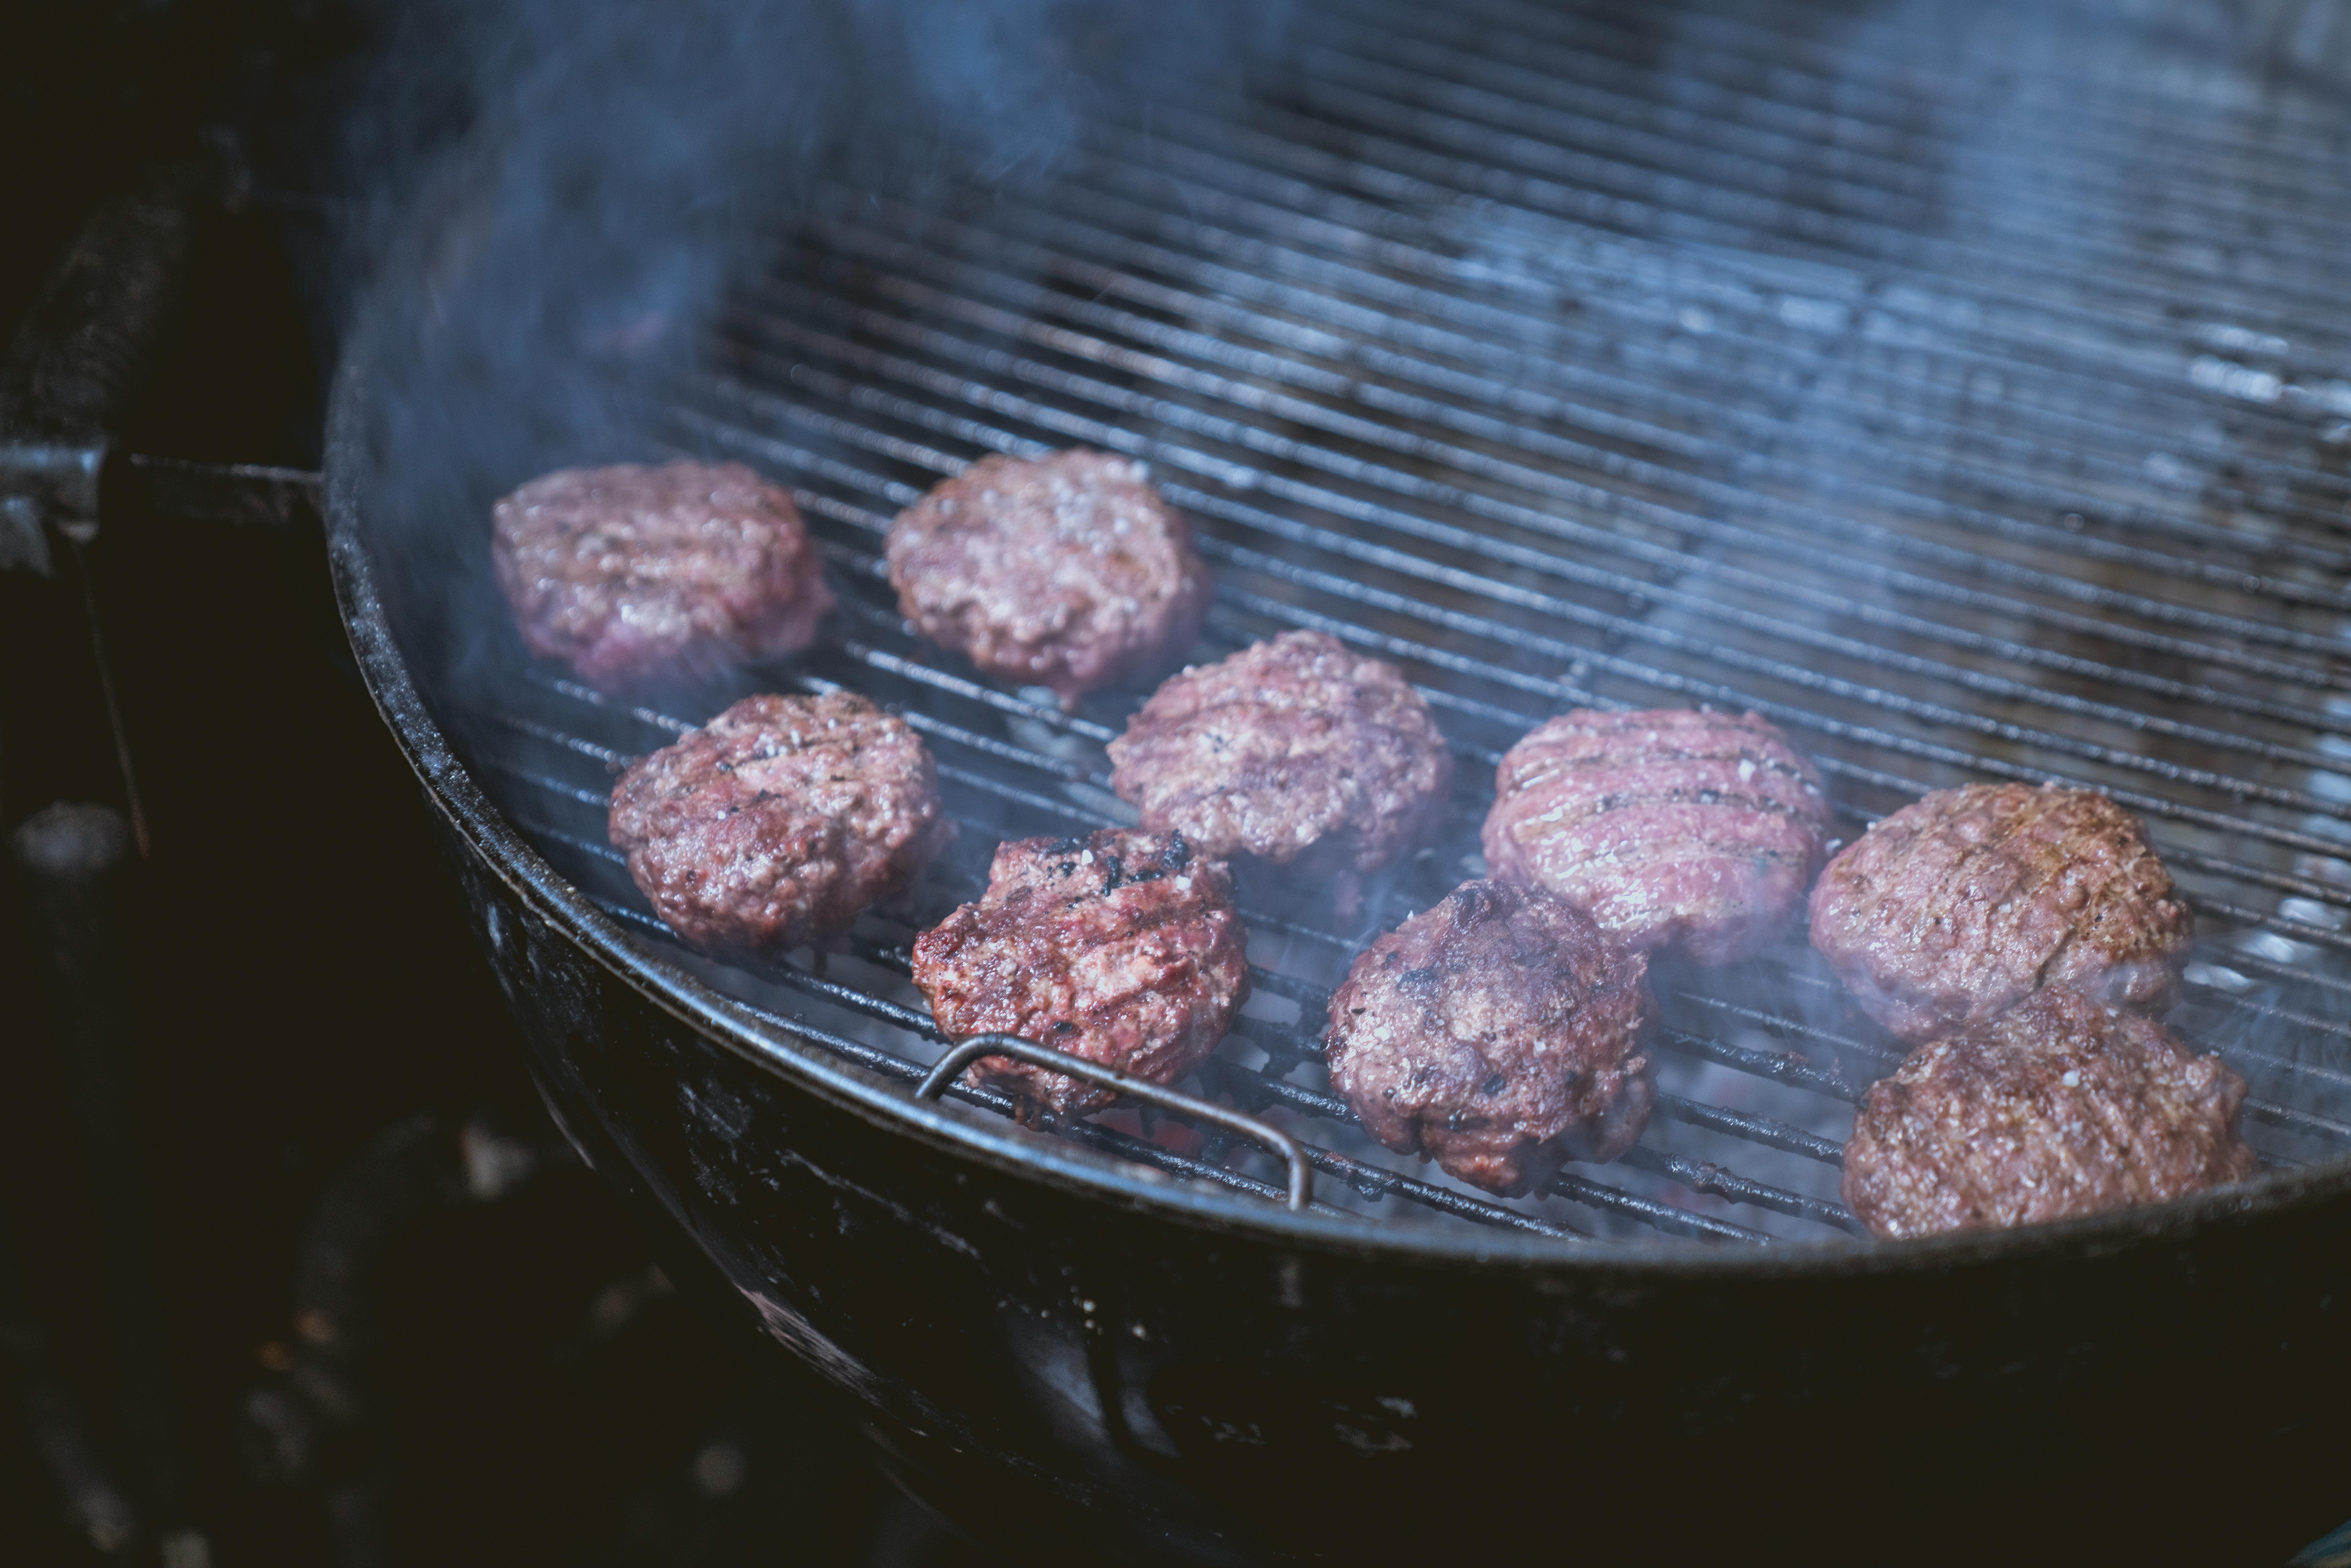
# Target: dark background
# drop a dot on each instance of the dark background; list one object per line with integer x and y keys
{"x": 320, "y": 1081}
{"x": 388, "y": 1320}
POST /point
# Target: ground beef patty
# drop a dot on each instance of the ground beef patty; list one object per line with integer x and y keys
{"x": 1500, "y": 1033}
{"x": 1122, "y": 947}
{"x": 1290, "y": 748}
{"x": 1669, "y": 827}
{"x": 2061, "y": 1106}
{"x": 780, "y": 821}
{"x": 1955, "y": 908}
{"x": 631, "y": 572}
{"x": 1066, "y": 571}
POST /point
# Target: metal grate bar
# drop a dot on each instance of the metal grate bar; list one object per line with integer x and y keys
{"x": 1504, "y": 387}
{"x": 1844, "y": 1045}
{"x": 1884, "y": 1060}
{"x": 956, "y": 272}
{"x": 1602, "y": 360}
{"x": 2223, "y": 127}
{"x": 1779, "y": 627}
{"x": 1701, "y": 1176}
{"x": 1698, "y": 1176}
{"x": 1349, "y": 588}
{"x": 1602, "y": 76}
{"x": 1400, "y": 649}
{"x": 898, "y": 369}
{"x": 1274, "y": 246}
{"x": 1512, "y": 395}
{"x": 1754, "y": 1129}
{"x": 1338, "y": 191}
{"x": 1556, "y": 181}
{"x": 1109, "y": 1140}
{"x": 1259, "y": 261}
{"x": 1249, "y": 438}
{"x": 1251, "y": 1089}
{"x": 1815, "y": 354}
{"x": 1531, "y": 130}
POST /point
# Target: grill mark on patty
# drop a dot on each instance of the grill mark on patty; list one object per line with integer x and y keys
{"x": 1947, "y": 897}
{"x": 1242, "y": 783}
{"x": 2037, "y": 867}
{"x": 2039, "y": 864}
{"x": 1057, "y": 1012}
{"x": 1555, "y": 772}
{"x": 1641, "y": 757}
{"x": 1143, "y": 915}
{"x": 1691, "y": 849}
{"x": 1628, "y": 799}
{"x": 1291, "y": 747}
{"x": 2079, "y": 931}
{"x": 1244, "y": 708}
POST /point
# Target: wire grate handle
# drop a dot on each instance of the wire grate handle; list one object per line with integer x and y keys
{"x": 951, "y": 1067}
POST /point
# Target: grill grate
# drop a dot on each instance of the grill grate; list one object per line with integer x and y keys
{"x": 1969, "y": 412}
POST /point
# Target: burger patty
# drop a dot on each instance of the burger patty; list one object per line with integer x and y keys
{"x": 1955, "y": 908}
{"x": 1292, "y": 748}
{"x": 1500, "y": 1033}
{"x": 1122, "y": 947}
{"x": 780, "y": 821}
{"x": 1066, "y": 571}
{"x": 1669, "y": 828}
{"x": 632, "y": 572}
{"x": 2061, "y": 1106}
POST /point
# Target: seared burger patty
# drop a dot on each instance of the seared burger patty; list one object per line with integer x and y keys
{"x": 2061, "y": 1106}
{"x": 631, "y": 572}
{"x": 1500, "y": 1033}
{"x": 1953, "y": 909}
{"x": 1066, "y": 571}
{"x": 1122, "y": 947}
{"x": 1292, "y": 748}
{"x": 1669, "y": 828}
{"x": 780, "y": 821}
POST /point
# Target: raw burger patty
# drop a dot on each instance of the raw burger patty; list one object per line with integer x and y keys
{"x": 1500, "y": 1033}
{"x": 2061, "y": 1106}
{"x": 1122, "y": 947}
{"x": 1669, "y": 828}
{"x": 1955, "y": 908}
{"x": 1066, "y": 571}
{"x": 631, "y": 572}
{"x": 780, "y": 821}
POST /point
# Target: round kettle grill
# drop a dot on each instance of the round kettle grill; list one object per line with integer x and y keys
{"x": 1764, "y": 357}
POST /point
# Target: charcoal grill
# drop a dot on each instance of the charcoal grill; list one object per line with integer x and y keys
{"x": 1972, "y": 409}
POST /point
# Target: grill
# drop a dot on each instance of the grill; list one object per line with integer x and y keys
{"x": 1991, "y": 432}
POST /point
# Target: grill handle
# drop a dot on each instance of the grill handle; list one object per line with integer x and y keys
{"x": 951, "y": 1067}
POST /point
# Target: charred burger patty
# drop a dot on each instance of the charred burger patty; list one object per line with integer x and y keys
{"x": 1500, "y": 1033}
{"x": 1122, "y": 947}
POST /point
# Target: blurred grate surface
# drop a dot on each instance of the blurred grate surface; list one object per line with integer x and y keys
{"x": 1975, "y": 406}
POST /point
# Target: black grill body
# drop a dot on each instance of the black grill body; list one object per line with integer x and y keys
{"x": 1068, "y": 1361}
{"x": 1965, "y": 404}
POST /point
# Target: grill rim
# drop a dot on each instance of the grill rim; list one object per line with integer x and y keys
{"x": 2275, "y": 1196}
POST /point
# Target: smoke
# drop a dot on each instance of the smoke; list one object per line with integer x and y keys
{"x": 561, "y": 194}
{"x": 1855, "y": 313}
